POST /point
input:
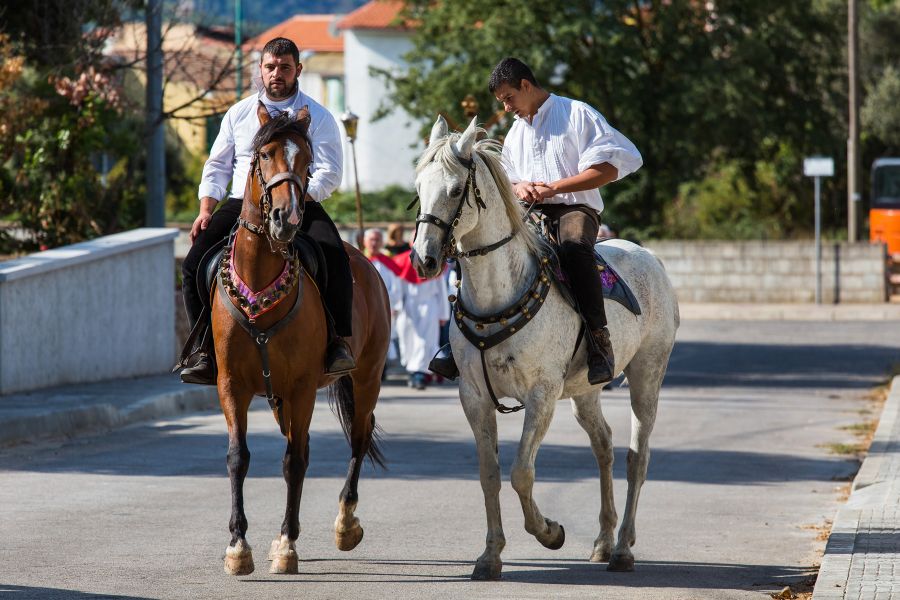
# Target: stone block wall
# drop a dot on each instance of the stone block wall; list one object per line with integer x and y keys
{"x": 96, "y": 310}
{"x": 782, "y": 271}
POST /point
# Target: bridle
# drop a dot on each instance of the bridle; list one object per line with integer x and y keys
{"x": 264, "y": 207}
{"x": 448, "y": 242}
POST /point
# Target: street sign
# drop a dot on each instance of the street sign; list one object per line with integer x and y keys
{"x": 818, "y": 166}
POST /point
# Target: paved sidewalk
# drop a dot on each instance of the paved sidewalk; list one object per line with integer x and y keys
{"x": 862, "y": 558}
{"x": 73, "y": 410}
{"x": 790, "y": 312}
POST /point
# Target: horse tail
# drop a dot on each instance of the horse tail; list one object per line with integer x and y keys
{"x": 340, "y": 398}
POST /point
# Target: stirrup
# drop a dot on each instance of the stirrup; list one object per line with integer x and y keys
{"x": 444, "y": 364}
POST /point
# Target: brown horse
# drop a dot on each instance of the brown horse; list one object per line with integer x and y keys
{"x": 284, "y": 358}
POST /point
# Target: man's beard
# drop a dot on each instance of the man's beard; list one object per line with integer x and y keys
{"x": 276, "y": 95}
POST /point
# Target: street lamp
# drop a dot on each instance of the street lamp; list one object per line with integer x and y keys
{"x": 349, "y": 120}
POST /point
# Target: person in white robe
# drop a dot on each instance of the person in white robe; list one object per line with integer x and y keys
{"x": 422, "y": 309}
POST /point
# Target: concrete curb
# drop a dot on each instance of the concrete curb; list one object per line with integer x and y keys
{"x": 83, "y": 420}
{"x": 847, "y": 570}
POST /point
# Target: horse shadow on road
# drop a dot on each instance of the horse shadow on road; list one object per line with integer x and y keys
{"x": 178, "y": 450}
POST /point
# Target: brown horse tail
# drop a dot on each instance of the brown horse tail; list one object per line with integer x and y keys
{"x": 340, "y": 398}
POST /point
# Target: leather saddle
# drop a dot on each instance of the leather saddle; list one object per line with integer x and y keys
{"x": 614, "y": 287}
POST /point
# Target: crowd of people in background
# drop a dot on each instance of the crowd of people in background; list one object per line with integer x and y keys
{"x": 419, "y": 307}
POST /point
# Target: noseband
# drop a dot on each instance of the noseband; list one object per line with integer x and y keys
{"x": 265, "y": 201}
{"x": 448, "y": 242}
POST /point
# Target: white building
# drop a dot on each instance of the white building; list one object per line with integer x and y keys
{"x": 387, "y": 149}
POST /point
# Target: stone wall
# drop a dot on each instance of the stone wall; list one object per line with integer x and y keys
{"x": 773, "y": 271}
{"x": 97, "y": 310}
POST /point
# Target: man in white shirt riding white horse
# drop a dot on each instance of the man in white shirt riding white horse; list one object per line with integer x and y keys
{"x": 558, "y": 152}
{"x": 229, "y": 162}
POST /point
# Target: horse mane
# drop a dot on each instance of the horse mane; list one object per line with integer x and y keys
{"x": 284, "y": 123}
{"x": 490, "y": 153}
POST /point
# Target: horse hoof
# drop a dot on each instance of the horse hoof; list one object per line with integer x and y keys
{"x": 487, "y": 571}
{"x": 239, "y": 559}
{"x": 348, "y": 540}
{"x": 273, "y": 549}
{"x": 556, "y": 542}
{"x": 620, "y": 563}
{"x": 600, "y": 556}
{"x": 284, "y": 563}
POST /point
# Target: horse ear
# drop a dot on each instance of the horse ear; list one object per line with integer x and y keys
{"x": 263, "y": 113}
{"x": 439, "y": 130}
{"x": 464, "y": 145}
{"x": 303, "y": 117}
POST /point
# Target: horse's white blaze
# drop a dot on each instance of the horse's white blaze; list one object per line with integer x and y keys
{"x": 291, "y": 150}
{"x": 536, "y": 365}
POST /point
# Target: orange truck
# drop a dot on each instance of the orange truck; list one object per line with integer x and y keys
{"x": 884, "y": 209}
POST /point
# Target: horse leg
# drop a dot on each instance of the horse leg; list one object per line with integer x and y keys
{"x": 645, "y": 374}
{"x": 590, "y": 416}
{"x": 238, "y": 554}
{"x": 348, "y": 533}
{"x": 283, "y": 552}
{"x": 538, "y": 414}
{"x": 483, "y": 421}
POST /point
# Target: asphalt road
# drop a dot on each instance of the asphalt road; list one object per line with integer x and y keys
{"x": 740, "y": 475}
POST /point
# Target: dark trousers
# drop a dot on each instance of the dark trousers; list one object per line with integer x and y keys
{"x": 576, "y": 229}
{"x": 316, "y": 223}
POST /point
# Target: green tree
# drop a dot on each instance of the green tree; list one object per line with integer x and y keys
{"x": 689, "y": 82}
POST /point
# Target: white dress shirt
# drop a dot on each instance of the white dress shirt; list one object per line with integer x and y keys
{"x": 229, "y": 158}
{"x": 564, "y": 138}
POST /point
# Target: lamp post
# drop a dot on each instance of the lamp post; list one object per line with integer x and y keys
{"x": 350, "y": 121}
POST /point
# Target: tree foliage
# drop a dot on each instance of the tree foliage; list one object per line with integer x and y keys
{"x": 703, "y": 88}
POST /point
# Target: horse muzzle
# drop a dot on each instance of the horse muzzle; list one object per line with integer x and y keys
{"x": 427, "y": 267}
{"x": 283, "y": 224}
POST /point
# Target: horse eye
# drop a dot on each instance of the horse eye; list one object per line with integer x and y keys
{"x": 455, "y": 192}
{"x": 264, "y": 156}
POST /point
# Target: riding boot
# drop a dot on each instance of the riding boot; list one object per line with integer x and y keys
{"x": 601, "y": 362}
{"x": 203, "y": 371}
{"x": 339, "y": 357}
{"x": 444, "y": 364}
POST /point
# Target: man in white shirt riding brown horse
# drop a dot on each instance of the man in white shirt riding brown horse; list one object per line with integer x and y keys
{"x": 558, "y": 152}
{"x": 229, "y": 162}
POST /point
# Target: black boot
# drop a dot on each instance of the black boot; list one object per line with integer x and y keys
{"x": 338, "y": 357}
{"x": 444, "y": 364}
{"x": 203, "y": 372}
{"x": 600, "y": 358}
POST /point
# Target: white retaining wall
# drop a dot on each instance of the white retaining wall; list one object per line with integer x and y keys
{"x": 96, "y": 310}
{"x": 773, "y": 271}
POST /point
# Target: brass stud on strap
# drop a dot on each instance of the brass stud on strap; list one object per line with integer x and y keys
{"x": 512, "y": 329}
{"x": 481, "y": 344}
{"x": 479, "y": 326}
{"x": 451, "y": 298}
{"x": 503, "y": 321}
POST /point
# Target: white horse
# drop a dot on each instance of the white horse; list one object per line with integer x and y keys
{"x": 467, "y": 203}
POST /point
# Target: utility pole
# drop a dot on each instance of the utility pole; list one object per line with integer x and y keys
{"x": 853, "y": 161}
{"x": 238, "y": 52}
{"x": 155, "y": 215}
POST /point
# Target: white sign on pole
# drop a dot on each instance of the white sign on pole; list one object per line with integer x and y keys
{"x": 818, "y": 166}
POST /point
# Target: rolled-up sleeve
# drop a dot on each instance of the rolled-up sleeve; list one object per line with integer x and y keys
{"x": 602, "y": 143}
{"x": 328, "y": 158}
{"x": 219, "y": 167}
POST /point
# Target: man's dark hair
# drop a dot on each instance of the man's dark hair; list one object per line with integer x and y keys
{"x": 280, "y": 47}
{"x": 511, "y": 71}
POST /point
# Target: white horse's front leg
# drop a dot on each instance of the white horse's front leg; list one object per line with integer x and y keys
{"x": 590, "y": 417}
{"x": 483, "y": 421}
{"x": 538, "y": 414}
